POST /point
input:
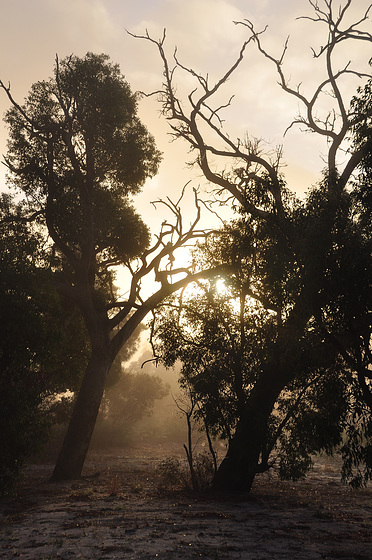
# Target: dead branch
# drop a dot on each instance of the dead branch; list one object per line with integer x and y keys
{"x": 159, "y": 258}
{"x": 189, "y": 124}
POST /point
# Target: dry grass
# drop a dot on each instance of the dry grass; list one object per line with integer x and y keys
{"x": 122, "y": 514}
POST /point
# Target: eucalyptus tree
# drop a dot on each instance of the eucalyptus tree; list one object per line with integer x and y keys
{"x": 253, "y": 178}
{"x": 43, "y": 345}
{"x": 223, "y": 330}
{"x": 77, "y": 152}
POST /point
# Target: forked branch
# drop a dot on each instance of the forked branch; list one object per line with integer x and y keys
{"x": 190, "y": 126}
{"x": 160, "y": 258}
{"x": 201, "y": 122}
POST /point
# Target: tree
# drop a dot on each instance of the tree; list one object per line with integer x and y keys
{"x": 43, "y": 347}
{"x": 126, "y": 402}
{"x": 242, "y": 170}
{"x": 222, "y": 332}
{"x": 77, "y": 152}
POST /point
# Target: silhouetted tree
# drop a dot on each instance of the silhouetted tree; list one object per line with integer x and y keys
{"x": 309, "y": 239}
{"x": 223, "y": 331}
{"x": 43, "y": 344}
{"x": 77, "y": 152}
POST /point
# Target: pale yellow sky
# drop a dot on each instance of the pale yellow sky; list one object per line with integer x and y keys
{"x": 33, "y": 32}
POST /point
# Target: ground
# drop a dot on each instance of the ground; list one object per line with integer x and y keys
{"x": 126, "y": 512}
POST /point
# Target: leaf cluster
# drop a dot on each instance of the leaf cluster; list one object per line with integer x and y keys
{"x": 43, "y": 344}
{"x": 77, "y": 150}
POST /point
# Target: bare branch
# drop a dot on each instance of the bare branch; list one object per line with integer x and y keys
{"x": 160, "y": 257}
{"x": 336, "y": 35}
{"x": 166, "y": 290}
{"x": 202, "y": 115}
{"x": 188, "y": 128}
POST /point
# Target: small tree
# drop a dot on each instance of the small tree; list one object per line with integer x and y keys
{"x": 43, "y": 345}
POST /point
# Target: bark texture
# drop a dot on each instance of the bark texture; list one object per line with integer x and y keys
{"x": 75, "y": 446}
{"x": 238, "y": 469}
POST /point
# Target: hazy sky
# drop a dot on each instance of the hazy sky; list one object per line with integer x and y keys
{"x": 32, "y": 32}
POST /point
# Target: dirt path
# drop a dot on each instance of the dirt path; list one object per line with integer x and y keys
{"x": 121, "y": 514}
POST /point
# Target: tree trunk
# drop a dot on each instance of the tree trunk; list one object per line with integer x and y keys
{"x": 79, "y": 433}
{"x": 75, "y": 446}
{"x": 238, "y": 469}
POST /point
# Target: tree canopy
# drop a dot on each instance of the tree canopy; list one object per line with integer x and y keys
{"x": 77, "y": 152}
{"x": 308, "y": 262}
{"x": 223, "y": 331}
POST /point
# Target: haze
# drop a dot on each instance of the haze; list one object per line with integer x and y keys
{"x": 32, "y": 33}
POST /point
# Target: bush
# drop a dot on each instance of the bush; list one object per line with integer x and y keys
{"x": 24, "y": 427}
{"x": 176, "y": 474}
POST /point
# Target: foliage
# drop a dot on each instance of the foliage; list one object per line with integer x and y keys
{"x": 43, "y": 346}
{"x": 356, "y": 449}
{"x": 76, "y": 153}
{"x": 299, "y": 360}
{"x": 223, "y": 331}
{"x": 221, "y": 337}
{"x": 315, "y": 422}
{"x": 22, "y": 383}
{"x": 125, "y": 403}
{"x": 132, "y": 397}
{"x": 77, "y": 126}
{"x": 24, "y": 429}
{"x": 284, "y": 348}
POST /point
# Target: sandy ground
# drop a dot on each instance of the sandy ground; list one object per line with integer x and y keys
{"x": 123, "y": 514}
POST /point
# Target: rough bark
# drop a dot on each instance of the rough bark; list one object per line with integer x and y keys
{"x": 238, "y": 469}
{"x": 75, "y": 446}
